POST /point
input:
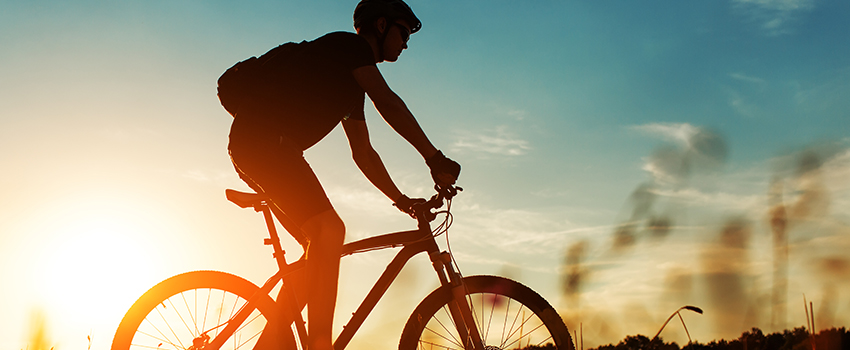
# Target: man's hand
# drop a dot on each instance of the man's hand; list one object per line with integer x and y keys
{"x": 444, "y": 171}
{"x": 405, "y": 204}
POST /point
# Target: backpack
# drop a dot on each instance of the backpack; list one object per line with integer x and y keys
{"x": 245, "y": 77}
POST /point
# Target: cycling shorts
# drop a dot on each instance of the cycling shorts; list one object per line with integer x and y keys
{"x": 275, "y": 166}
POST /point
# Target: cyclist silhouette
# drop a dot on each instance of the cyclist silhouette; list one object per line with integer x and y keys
{"x": 301, "y": 93}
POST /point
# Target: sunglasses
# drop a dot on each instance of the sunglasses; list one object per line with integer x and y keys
{"x": 405, "y": 33}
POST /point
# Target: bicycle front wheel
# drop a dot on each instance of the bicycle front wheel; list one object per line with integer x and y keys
{"x": 507, "y": 314}
{"x": 191, "y": 310}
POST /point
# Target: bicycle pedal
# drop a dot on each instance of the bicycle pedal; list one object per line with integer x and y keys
{"x": 267, "y": 241}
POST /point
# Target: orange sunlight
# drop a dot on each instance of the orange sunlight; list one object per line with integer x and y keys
{"x": 93, "y": 260}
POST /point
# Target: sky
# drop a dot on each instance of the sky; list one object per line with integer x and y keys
{"x": 621, "y": 158}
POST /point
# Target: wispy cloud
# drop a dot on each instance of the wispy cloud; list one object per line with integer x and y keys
{"x": 518, "y": 114}
{"x": 679, "y": 133}
{"x": 746, "y": 78}
{"x": 838, "y": 171}
{"x": 498, "y": 141}
{"x": 774, "y": 17}
{"x": 520, "y": 231}
{"x": 665, "y": 165}
{"x": 742, "y": 105}
{"x": 365, "y": 202}
{"x": 740, "y": 95}
{"x": 828, "y": 94}
{"x": 717, "y": 200}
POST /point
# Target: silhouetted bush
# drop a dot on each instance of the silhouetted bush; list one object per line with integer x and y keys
{"x": 754, "y": 339}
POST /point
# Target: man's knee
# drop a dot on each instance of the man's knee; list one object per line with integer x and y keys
{"x": 326, "y": 226}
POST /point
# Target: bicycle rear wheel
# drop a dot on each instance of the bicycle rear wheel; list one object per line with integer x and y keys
{"x": 190, "y": 310}
{"x": 508, "y": 315}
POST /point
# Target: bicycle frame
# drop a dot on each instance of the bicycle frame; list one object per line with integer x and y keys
{"x": 412, "y": 242}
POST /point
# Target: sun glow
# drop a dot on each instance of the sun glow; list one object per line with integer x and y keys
{"x": 93, "y": 262}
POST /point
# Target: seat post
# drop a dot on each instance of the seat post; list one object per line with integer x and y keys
{"x": 274, "y": 240}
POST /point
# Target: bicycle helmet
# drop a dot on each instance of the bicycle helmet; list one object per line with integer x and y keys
{"x": 368, "y": 11}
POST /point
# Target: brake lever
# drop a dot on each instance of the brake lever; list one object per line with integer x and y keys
{"x": 447, "y": 191}
{"x": 436, "y": 201}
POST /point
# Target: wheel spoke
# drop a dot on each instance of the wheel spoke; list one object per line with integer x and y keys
{"x": 437, "y": 345}
{"x": 544, "y": 341}
{"x": 185, "y": 312}
{"x": 164, "y": 337}
{"x": 521, "y": 334}
{"x": 148, "y": 346}
{"x": 191, "y": 316}
{"x": 180, "y": 315}
{"x": 161, "y": 340}
{"x": 507, "y": 313}
{"x": 449, "y": 332}
{"x": 492, "y": 312}
{"x": 512, "y": 307}
{"x": 207, "y": 308}
{"x": 247, "y": 323}
{"x": 479, "y": 324}
{"x": 232, "y": 311}
{"x": 511, "y": 330}
{"x": 220, "y": 310}
{"x": 521, "y": 325}
{"x": 249, "y": 339}
{"x": 169, "y": 325}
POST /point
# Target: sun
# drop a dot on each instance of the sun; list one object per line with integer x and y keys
{"x": 94, "y": 263}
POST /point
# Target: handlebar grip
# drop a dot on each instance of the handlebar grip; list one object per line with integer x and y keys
{"x": 447, "y": 191}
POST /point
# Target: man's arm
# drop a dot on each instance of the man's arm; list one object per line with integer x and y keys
{"x": 393, "y": 109}
{"x": 367, "y": 159}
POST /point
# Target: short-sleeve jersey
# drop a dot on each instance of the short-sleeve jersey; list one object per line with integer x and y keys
{"x": 306, "y": 91}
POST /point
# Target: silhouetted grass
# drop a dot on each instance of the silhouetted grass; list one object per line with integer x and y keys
{"x": 38, "y": 335}
{"x": 755, "y": 339}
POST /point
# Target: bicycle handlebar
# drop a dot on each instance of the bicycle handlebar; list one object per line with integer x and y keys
{"x": 445, "y": 192}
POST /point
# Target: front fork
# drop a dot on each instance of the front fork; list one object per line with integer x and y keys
{"x": 459, "y": 307}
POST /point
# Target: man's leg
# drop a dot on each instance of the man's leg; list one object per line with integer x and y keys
{"x": 276, "y": 167}
{"x": 326, "y": 232}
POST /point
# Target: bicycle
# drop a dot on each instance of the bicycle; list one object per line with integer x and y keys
{"x": 204, "y": 310}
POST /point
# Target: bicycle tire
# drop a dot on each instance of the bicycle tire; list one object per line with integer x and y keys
{"x": 177, "y": 312}
{"x": 529, "y": 322}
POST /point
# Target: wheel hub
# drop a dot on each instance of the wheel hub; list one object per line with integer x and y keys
{"x": 200, "y": 343}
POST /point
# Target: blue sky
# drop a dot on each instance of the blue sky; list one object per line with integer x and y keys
{"x": 559, "y": 111}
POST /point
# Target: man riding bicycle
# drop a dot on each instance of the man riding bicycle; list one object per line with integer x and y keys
{"x": 301, "y": 93}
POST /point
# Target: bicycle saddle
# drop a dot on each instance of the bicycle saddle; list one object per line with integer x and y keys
{"x": 245, "y": 199}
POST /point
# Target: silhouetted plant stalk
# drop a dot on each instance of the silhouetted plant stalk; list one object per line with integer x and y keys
{"x": 686, "y": 307}
{"x": 38, "y": 338}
